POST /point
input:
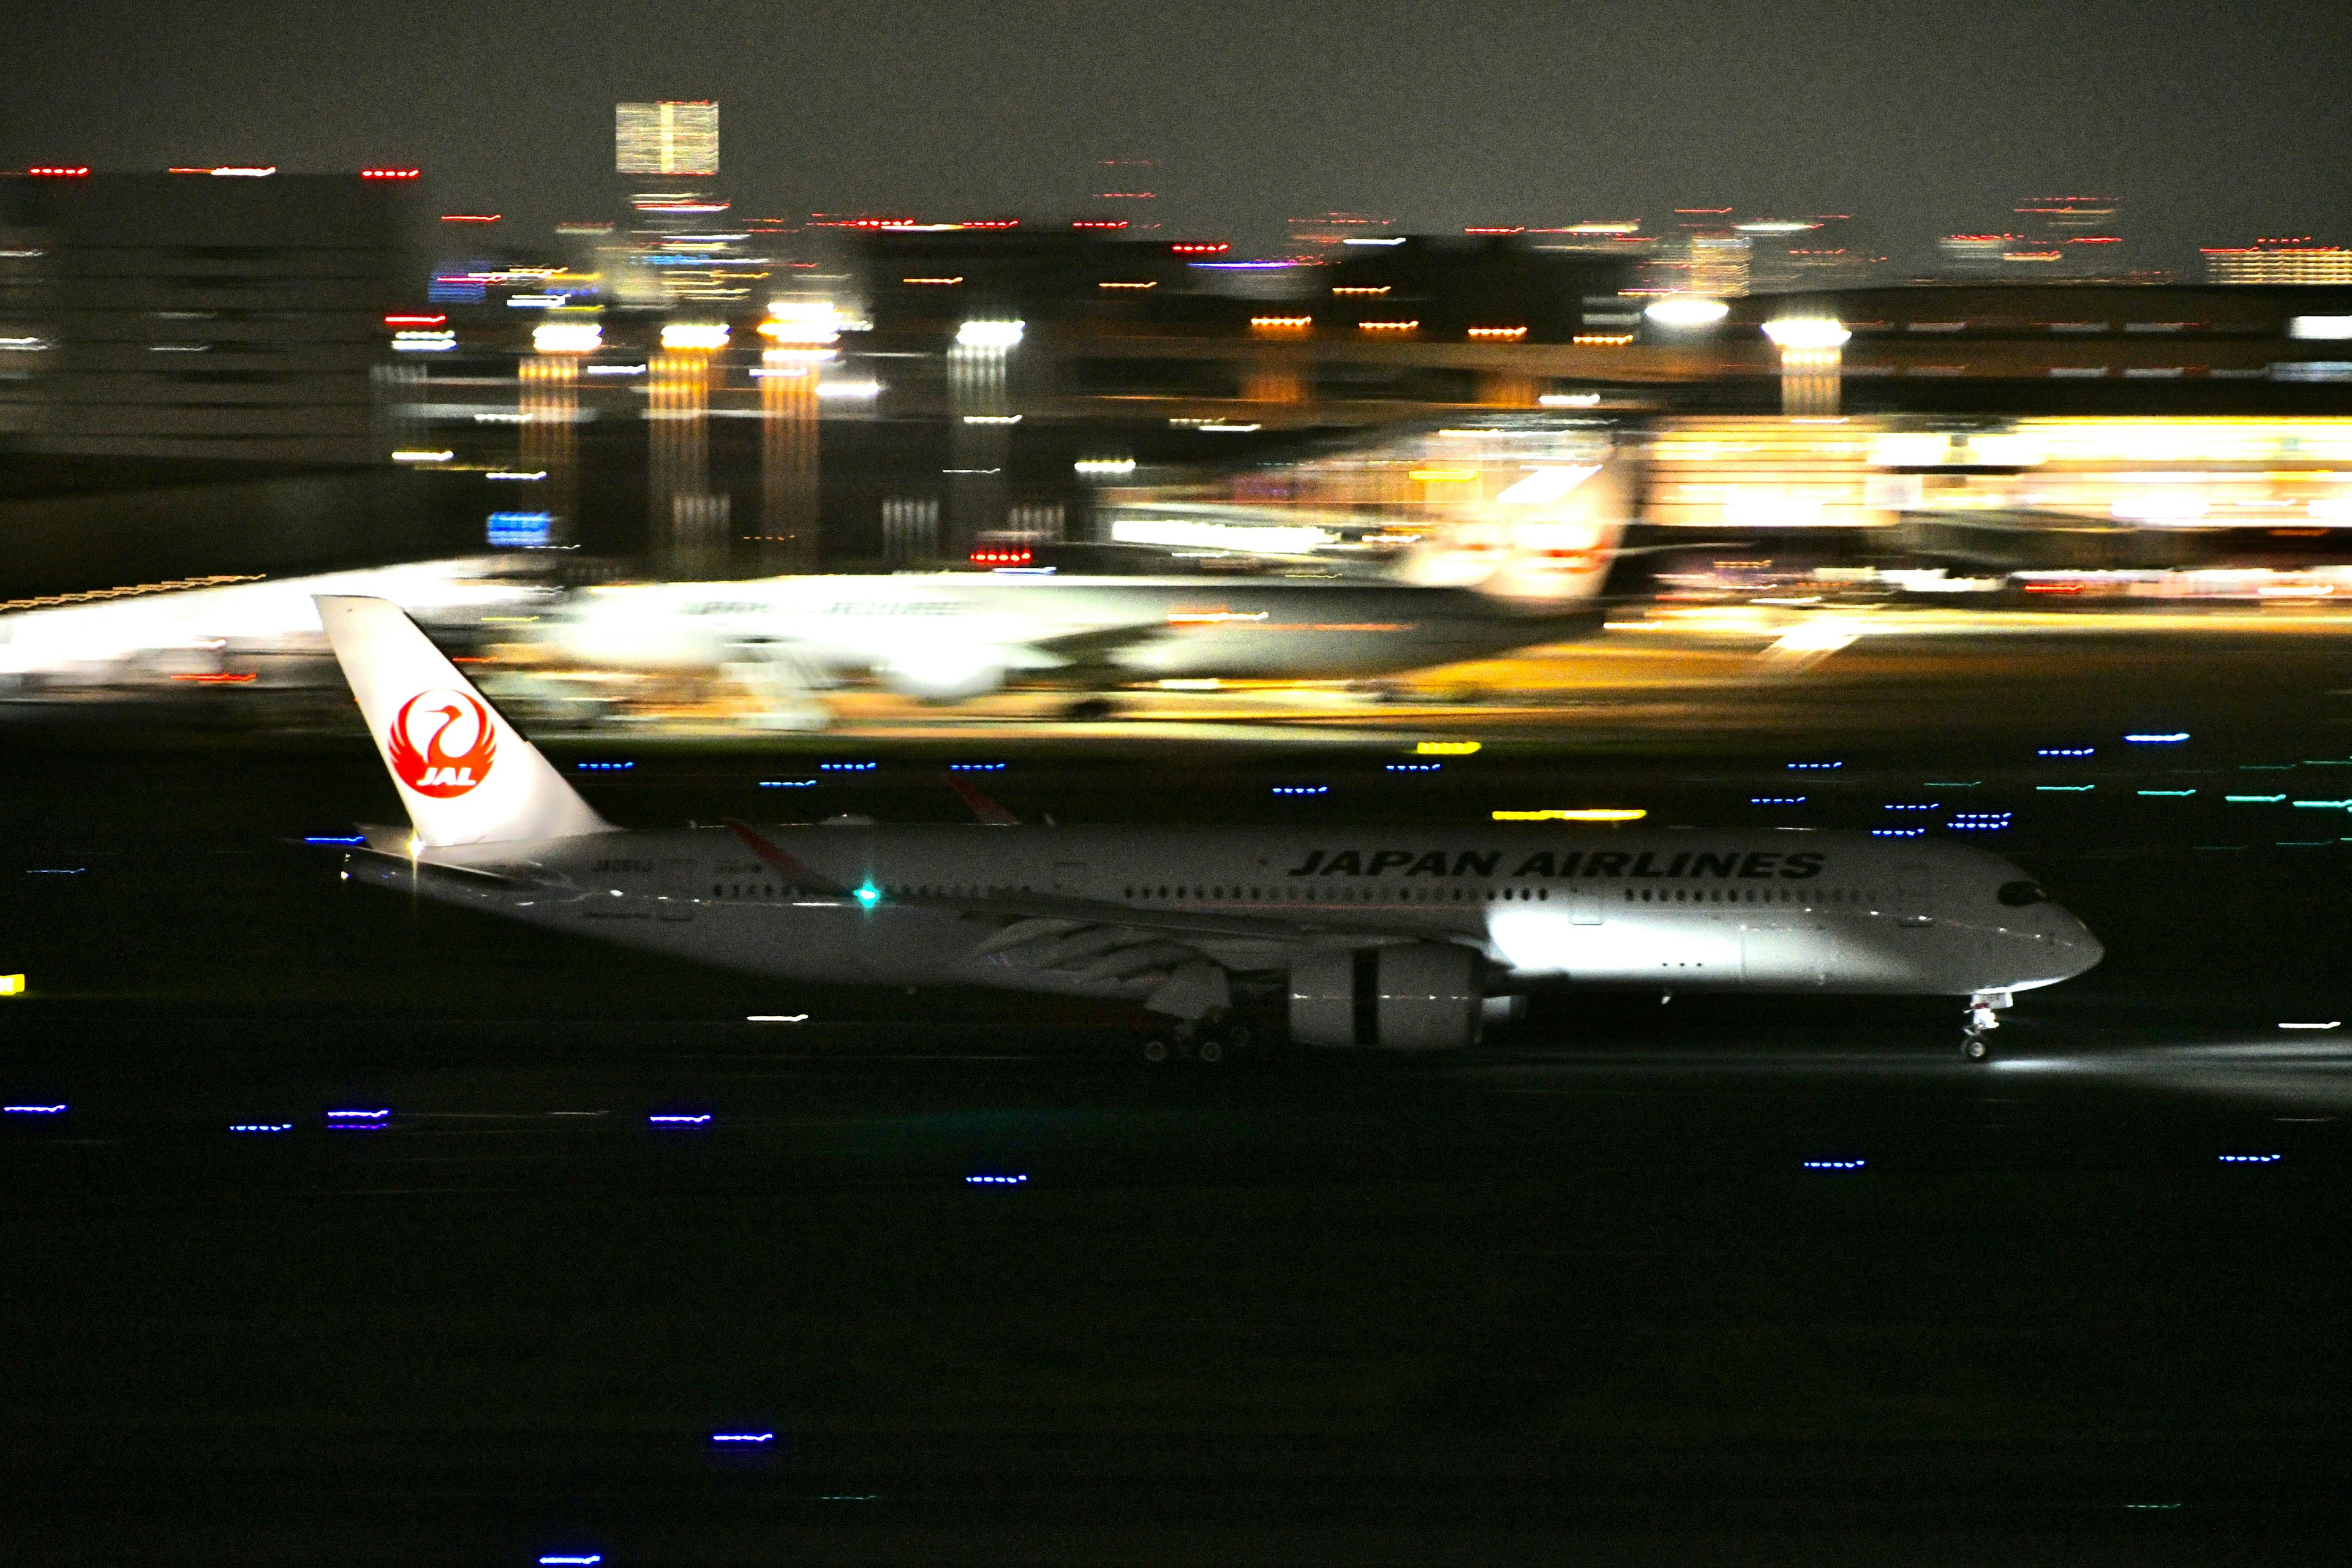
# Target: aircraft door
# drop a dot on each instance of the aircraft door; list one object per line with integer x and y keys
{"x": 673, "y": 897}
{"x": 1914, "y": 896}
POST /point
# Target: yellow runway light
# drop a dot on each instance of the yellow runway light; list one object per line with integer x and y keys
{"x": 1446, "y": 748}
{"x": 1596, "y": 814}
{"x": 12, "y": 985}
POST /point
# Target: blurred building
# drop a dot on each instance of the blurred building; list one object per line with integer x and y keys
{"x": 228, "y": 313}
{"x": 1327, "y": 232}
{"x": 2298, "y": 261}
{"x": 1125, "y": 198}
{"x": 665, "y": 138}
{"x": 2050, "y": 239}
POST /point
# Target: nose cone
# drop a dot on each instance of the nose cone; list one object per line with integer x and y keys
{"x": 2078, "y": 950}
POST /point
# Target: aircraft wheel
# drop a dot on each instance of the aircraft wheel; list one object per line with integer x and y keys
{"x": 1975, "y": 1047}
{"x": 1155, "y": 1051}
{"x": 1211, "y": 1051}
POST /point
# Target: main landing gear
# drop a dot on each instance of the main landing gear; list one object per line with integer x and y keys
{"x": 1983, "y": 1019}
{"x": 1205, "y": 1043}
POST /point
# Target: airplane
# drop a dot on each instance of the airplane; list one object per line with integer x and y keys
{"x": 1372, "y": 938}
{"x": 157, "y": 634}
{"x": 1529, "y": 571}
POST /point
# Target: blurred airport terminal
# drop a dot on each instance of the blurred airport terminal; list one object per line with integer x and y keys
{"x": 217, "y": 384}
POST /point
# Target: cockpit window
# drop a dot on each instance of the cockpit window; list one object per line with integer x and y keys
{"x": 2017, "y": 895}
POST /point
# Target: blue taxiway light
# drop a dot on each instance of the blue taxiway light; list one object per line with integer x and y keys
{"x": 1775, "y": 800}
{"x": 2171, "y": 739}
{"x": 788, "y": 783}
{"x": 2065, "y": 751}
{"x": 1931, "y": 805}
{"x": 1416, "y": 767}
{"x": 679, "y": 1121}
{"x": 1302, "y": 789}
{"x": 1898, "y": 832}
{"x": 357, "y": 1115}
{"x": 261, "y": 1127}
{"x": 2249, "y": 1159}
{"x": 1835, "y": 1164}
{"x": 54, "y": 870}
{"x": 603, "y": 767}
{"x": 976, "y": 767}
{"x": 995, "y": 1181}
{"x": 1814, "y": 767}
{"x": 847, "y": 767}
{"x": 34, "y": 1110}
{"x": 742, "y": 1437}
{"x": 2169, "y": 794}
{"x": 2254, "y": 799}
{"x": 583, "y": 1560}
{"x": 335, "y": 838}
{"x": 2064, "y": 789}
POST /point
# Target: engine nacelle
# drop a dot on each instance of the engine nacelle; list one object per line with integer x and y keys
{"x": 1409, "y": 996}
{"x": 934, "y": 674}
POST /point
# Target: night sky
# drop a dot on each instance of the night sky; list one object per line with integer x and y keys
{"x": 2214, "y": 122}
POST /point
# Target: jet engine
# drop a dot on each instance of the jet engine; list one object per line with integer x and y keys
{"x": 1408, "y": 996}
{"x": 935, "y": 673}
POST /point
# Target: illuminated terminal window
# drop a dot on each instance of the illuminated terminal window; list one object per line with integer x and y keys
{"x": 667, "y": 138}
{"x": 2279, "y": 261}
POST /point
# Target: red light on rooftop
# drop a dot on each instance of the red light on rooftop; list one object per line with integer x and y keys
{"x": 390, "y": 173}
{"x": 986, "y": 557}
{"x": 1098, "y": 223}
{"x": 1195, "y": 248}
{"x": 58, "y": 171}
{"x": 471, "y": 217}
{"x": 1520, "y": 229}
{"x": 2095, "y": 240}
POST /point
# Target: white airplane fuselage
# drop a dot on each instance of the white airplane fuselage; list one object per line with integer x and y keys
{"x": 1393, "y": 938}
{"x": 912, "y": 906}
{"x": 958, "y": 634}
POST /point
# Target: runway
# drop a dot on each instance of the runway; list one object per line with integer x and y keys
{"x": 1745, "y": 1279}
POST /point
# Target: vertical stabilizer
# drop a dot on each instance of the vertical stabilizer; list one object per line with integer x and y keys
{"x": 464, "y": 773}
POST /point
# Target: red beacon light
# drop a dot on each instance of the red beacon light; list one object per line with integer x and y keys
{"x": 390, "y": 173}
{"x": 1194, "y": 248}
{"x": 986, "y": 556}
{"x": 59, "y": 171}
{"x": 415, "y": 320}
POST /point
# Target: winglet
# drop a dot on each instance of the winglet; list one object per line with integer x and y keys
{"x": 987, "y": 810}
{"x": 784, "y": 865}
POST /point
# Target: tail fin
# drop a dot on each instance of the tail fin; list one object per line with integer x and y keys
{"x": 464, "y": 773}
{"x": 1549, "y": 537}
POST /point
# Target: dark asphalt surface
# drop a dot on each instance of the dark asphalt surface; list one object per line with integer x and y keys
{"x": 1574, "y": 1295}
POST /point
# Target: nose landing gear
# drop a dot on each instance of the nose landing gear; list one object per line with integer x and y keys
{"x": 1983, "y": 1019}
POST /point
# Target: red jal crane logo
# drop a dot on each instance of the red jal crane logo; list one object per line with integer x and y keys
{"x": 448, "y": 720}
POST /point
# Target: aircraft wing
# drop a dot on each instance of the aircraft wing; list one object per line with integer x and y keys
{"x": 1096, "y": 645}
